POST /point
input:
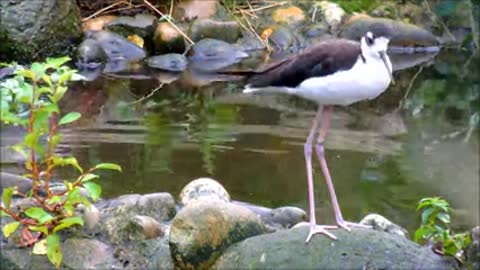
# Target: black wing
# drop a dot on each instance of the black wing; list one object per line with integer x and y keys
{"x": 323, "y": 59}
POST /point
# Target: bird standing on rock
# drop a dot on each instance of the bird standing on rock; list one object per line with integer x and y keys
{"x": 334, "y": 72}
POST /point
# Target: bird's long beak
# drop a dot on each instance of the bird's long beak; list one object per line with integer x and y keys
{"x": 384, "y": 59}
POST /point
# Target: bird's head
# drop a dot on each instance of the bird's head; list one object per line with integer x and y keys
{"x": 376, "y": 47}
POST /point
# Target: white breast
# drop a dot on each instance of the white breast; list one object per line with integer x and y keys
{"x": 362, "y": 81}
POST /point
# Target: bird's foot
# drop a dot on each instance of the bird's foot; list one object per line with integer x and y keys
{"x": 347, "y": 225}
{"x": 321, "y": 229}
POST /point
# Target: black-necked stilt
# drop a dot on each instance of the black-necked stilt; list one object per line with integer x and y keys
{"x": 335, "y": 72}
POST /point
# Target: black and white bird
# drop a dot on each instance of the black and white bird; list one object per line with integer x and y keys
{"x": 335, "y": 72}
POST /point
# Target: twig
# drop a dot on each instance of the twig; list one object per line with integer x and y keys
{"x": 444, "y": 26}
{"x": 169, "y": 21}
{"x": 474, "y": 25}
{"x": 275, "y": 4}
{"x": 314, "y": 13}
{"x": 104, "y": 9}
{"x": 409, "y": 87}
{"x": 170, "y": 13}
{"x": 149, "y": 94}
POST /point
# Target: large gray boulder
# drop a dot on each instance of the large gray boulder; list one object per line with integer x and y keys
{"x": 32, "y": 29}
{"x": 358, "y": 249}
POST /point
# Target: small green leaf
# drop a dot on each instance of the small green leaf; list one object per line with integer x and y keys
{"x": 56, "y": 139}
{"x": 88, "y": 177}
{"x": 59, "y": 93}
{"x": 40, "y": 248}
{"x": 68, "y": 207}
{"x": 93, "y": 189}
{"x": 39, "y": 214}
{"x": 444, "y": 217}
{"x": 68, "y": 118}
{"x": 42, "y": 229}
{"x": 10, "y": 228}
{"x": 57, "y": 62}
{"x": 108, "y": 166}
{"x": 55, "y": 199}
{"x": 26, "y": 73}
{"x": 426, "y": 215}
{"x": 37, "y": 69}
{"x": 54, "y": 253}
{"x": 7, "y": 195}
{"x": 68, "y": 222}
{"x": 31, "y": 139}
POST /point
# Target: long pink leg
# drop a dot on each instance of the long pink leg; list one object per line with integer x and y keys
{"x": 314, "y": 228}
{"x": 320, "y": 149}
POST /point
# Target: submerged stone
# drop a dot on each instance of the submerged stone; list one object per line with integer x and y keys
{"x": 169, "y": 62}
{"x": 211, "y": 54}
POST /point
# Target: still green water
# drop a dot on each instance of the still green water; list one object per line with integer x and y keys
{"x": 384, "y": 155}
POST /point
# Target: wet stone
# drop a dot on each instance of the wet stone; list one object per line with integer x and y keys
{"x": 169, "y": 62}
{"x": 168, "y": 39}
{"x": 211, "y": 54}
{"x": 195, "y": 9}
{"x": 116, "y": 47}
{"x": 380, "y": 223}
{"x": 88, "y": 254}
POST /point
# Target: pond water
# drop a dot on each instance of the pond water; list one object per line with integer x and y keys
{"x": 414, "y": 141}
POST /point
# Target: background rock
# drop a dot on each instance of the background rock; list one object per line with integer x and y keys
{"x": 167, "y": 39}
{"x": 228, "y": 31}
{"x": 358, "y": 249}
{"x": 211, "y": 54}
{"x": 33, "y": 29}
{"x": 289, "y": 16}
{"x": 202, "y": 230}
{"x": 380, "y": 223}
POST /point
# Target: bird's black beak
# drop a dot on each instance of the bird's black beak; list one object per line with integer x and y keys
{"x": 384, "y": 59}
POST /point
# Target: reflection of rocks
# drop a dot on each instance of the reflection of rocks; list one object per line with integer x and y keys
{"x": 169, "y": 62}
{"x": 203, "y": 189}
{"x": 380, "y": 223}
{"x": 202, "y": 230}
{"x": 211, "y": 54}
{"x": 358, "y": 249}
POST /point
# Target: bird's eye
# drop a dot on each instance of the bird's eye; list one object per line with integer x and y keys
{"x": 369, "y": 40}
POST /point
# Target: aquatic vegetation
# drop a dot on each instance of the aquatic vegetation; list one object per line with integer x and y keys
{"x": 30, "y": 100}
{"x": 435, "y": 227}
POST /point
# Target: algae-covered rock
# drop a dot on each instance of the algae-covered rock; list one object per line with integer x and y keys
{"x": 228, "y": 31}
{"x": 168, "y": 39}
{"x": 203, "y": 189}
{"x": 358, "y": 249}
{"x": 401, "y": 34}
{"x": 201, "y": 231}
{"x": 34, "y": 29}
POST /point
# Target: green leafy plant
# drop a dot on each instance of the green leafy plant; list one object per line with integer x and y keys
{"x": 435, "y": 227}
{"x": 30, "y": 100}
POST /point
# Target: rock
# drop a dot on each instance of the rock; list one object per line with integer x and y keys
{"x": 380, "y": 223}
{"x": 88, "y": 254}
{"x": 23, "y": 184}
{"x": 170, "y": 62}
{"x": 472, "y": 252}
{"x": 203, "y": 189}
{"x": 211, "y": 54}
{"x": 332, "y": 13}
{"x": 141, "y": 27}
{"x": 98, "y": 23}
{"x": 283, "y": 38}
{"x": 91, "y": 216}
{"x": 402, "y": 34}
{"x": 289, "y": 16}
{"x": 117, "y": 215}
{"x": 195, "y": 9}
{"x": 90, "y": 53}
{"x": 358, "y": 249}
{"x": 228, "y": 31}
{"x": 278, "y": 218}
{"x": 167, "y": 39}
{"x": 36, "y": 29}
{"x": 115, "y": 47}
{"x": 201, "y": 231}
{"x": 147, "y": 226}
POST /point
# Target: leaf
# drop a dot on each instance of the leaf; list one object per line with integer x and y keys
{"x": 426, "y": 214}
{"x": 7, "y": 195}
{"x": 68, "y": 222}
{"x": 40, "y": 248}
{"x": 10, "y": 228}
{"x": 39, "y": 214}
{"x": 444, "y": 217}
{"x": 59, "y": 93}
{"x": 26, "y": 73}
{"x": 20, "y": 148}
{"x": 74, "y": 197}
{"x": 31, "y": 139}
{"x": 88, "y": 177}
{"x": 42, "y": 229}
{"x": 108, "y": 166}
{"x": 68, "y": 118}
{"x": 419, "y": 234}
{"x": 54, "y": 199}
{"x": 56, "y": 139}
{"x": 54, "y": 253}
{"x": 57, "y": 62}
{"x": 38, "y": 70}
{"x": 93, "y": 189}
